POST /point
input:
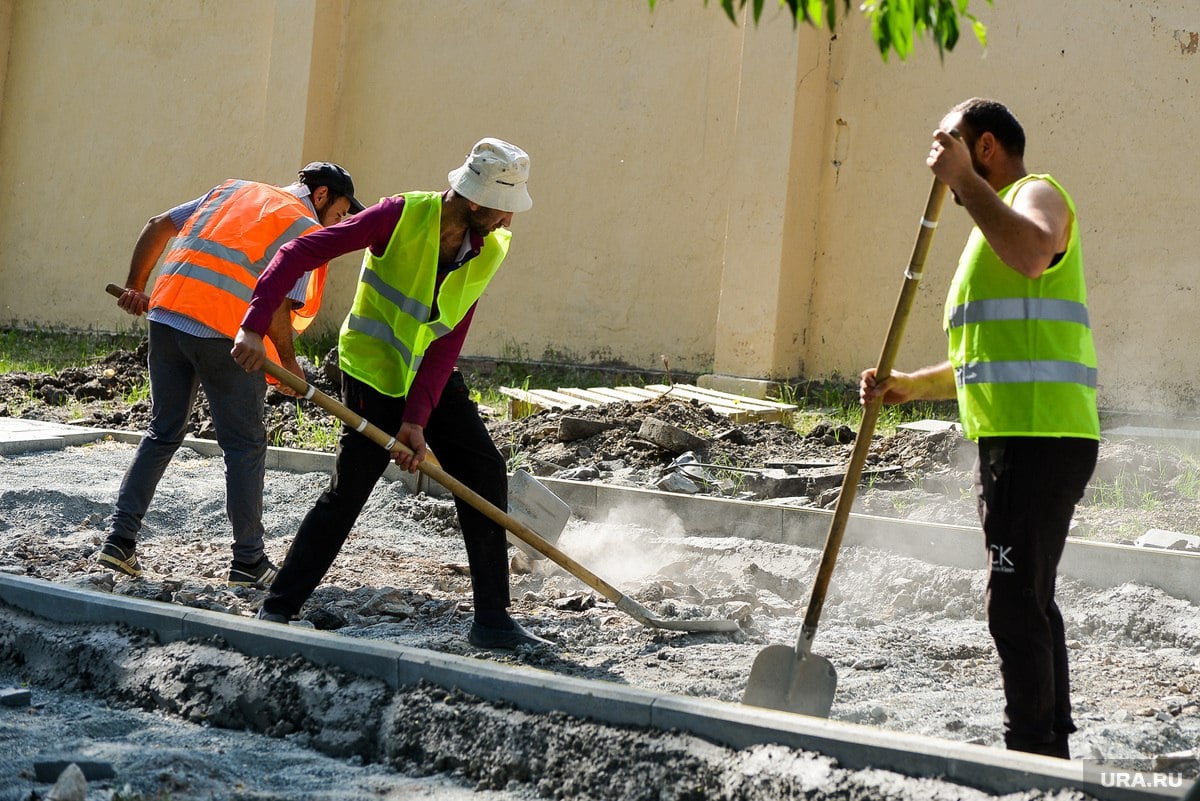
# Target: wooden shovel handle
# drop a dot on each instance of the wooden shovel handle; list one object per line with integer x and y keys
{"x": 862, "y": 443}
{"x": 434, "y": 471}
{"x": 456, "y": 487}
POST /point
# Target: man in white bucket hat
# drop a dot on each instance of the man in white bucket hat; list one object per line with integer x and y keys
{"x": 430, "y": 255}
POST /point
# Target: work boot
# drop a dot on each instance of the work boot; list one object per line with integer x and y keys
{"x": 272, "y": 617}
{"x": 119, "y": 555}
{"x": 500, "y": 638}
{"x": 258, "y": 575}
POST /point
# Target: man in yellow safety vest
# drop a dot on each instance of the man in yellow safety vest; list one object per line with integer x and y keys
{"x": 430, "y": 255}
{"x": 1023, "y": 368}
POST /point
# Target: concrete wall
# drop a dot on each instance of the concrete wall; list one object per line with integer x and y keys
{"x": 741, "y": 200}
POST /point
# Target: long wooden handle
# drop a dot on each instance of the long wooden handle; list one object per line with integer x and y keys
{"x": 435, "y": 472}
{"x": 862, "y": 443}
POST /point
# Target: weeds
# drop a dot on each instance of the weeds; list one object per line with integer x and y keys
{"x": 1129, "y": 490}
{"x": 317, "y": 432}
{"x": 732, "y": 480}
{"x": 38, "y": 351}
{"x": 137, "y": 393}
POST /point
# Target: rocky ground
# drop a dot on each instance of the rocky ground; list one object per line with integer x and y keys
{"x": 908, "y": 638}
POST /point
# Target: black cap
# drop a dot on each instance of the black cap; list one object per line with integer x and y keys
{"x": 325, "y": 173}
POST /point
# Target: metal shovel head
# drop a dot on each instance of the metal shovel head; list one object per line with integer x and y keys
{"x": 533, "y": 504}
{"x": 781, "y": 678}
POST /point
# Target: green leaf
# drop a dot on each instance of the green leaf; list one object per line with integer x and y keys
{"x": 895, "y": 24}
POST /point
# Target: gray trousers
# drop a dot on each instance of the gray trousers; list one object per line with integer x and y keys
{"x": 179, "y": 364}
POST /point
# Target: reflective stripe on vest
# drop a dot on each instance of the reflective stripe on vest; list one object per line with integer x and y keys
{"x": 1022, "y": 351}
{"x": 984, "y": 311}
{"x": 1024, "y": 372}
{"x": 210, "y": 271}
{"x": 391, "y": 323}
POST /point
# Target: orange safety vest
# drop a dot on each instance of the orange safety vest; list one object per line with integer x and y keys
{"x": 212, "y": 266}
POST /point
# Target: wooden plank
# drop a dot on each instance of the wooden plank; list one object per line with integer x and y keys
{"x": 629, "y": 394}
{"x": 737, "y": 408}
{"x": 725, "y": 398}
{"x": 556, "y": 400}
{"x": 589, "y": 395}
{"x": 743, "y": 399}
{"x": 525, "y": 402}
{"x": 689, "y": 392}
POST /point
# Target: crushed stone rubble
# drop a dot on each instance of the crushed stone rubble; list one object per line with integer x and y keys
{"x": 908, "y": 639}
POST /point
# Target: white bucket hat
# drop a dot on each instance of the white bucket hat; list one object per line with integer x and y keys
{"x": 494, "y": 175}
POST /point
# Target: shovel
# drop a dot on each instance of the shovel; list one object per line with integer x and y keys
{"x": 460, "y": 490}
{"x": 796, "y": 679}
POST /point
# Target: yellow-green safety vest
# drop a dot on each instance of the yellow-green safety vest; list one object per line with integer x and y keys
{"x": 391, "y": 322}
{"x": 1021, "y": 348}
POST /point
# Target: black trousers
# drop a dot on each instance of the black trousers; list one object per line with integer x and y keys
{"x": 460, "y": 441}
{"x": 1027, "y": 490}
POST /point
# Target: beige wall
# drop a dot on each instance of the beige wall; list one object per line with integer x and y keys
{"x": 1108, "y": 100}
{"x": 741, "y": 200}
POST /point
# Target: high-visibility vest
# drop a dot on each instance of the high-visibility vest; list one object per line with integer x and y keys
{"x": 212, "y": 265}
{"x": 391, "y": 323}
{"x": 1022, "y": 351}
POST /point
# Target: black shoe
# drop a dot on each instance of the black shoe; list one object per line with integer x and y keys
{"x": 260, "y": 574}
{"x": 507, "y": 639}
{"x": 272, "y": 617}
{"x": 119, "y": 558}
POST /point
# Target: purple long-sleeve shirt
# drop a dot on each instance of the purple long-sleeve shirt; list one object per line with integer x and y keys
{"x": 371, "y": 228}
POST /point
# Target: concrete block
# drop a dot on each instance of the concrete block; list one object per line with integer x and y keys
{"x": 670, "y": 438}
{"x": 931, "y": 425}
{"x": 573, "y": 428}
{"x": 1172, "y": 540}
{"x": 533, "y": 690}
{"x": 579, "y": 495}
{"x": 29, "y": 444}
{"x": 1102, "y": 564}
{"x": 677, "y": 482}
{"x": 260, "y": 638}
{"x": 858, "y": 747}
{"x": 48, "y": 769}
{"x": 73, "y": 605}
{"x": 15, "y": 697}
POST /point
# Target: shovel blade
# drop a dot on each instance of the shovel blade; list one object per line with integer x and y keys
{"x": 782, "y": 678}
{"x": 533, "y": 504}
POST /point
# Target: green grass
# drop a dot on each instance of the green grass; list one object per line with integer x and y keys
{"x": 38, "y": 351}
{"x": 836, "y": 400}
{"x": 315, "y": 431}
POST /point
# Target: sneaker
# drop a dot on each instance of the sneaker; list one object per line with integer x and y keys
{"x": 259, "y": 575}
{"x": 272, "y": 617}
{"x": 119, "y": 558}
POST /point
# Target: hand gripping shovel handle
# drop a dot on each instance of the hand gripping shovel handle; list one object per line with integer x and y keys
{"x": 477, "y": 501}
{"x": 862, "y": 443}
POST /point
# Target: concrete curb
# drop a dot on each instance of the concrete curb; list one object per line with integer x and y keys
{"x": 1099, "y": 565}
{"x": 853, "y": 746}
